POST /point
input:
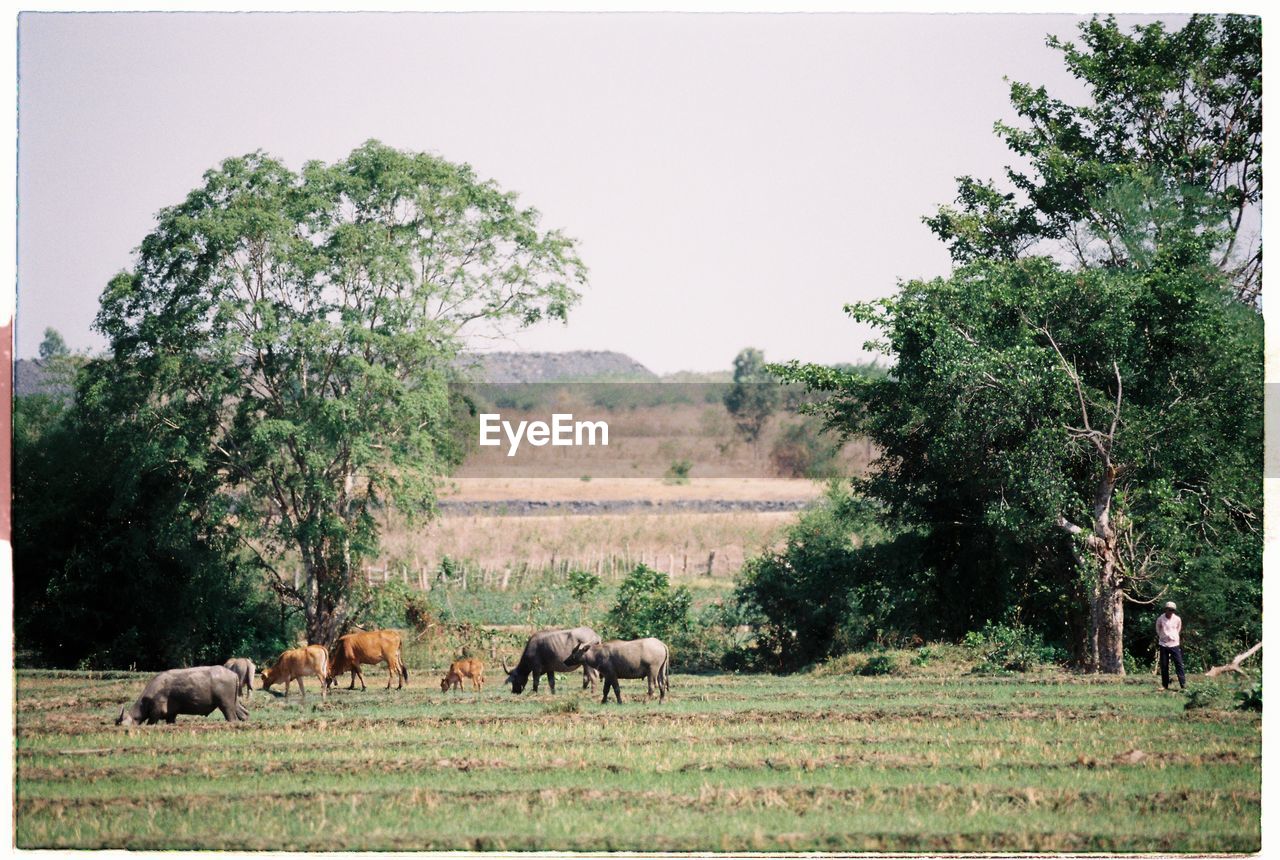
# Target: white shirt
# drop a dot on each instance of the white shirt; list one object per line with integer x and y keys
{"x": 1168, "y": 630}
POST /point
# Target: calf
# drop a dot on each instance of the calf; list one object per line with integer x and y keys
{"x": 245, "y": 670}
{"x": 459, "y": 669}
{"x": 294, "y": 665}
{"x": 638, "y": 658}
{"x": 373, "y": 646}
{"x": 199, "y": 691}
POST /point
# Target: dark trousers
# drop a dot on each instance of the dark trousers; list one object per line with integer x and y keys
{"x": 1176, "y": 653}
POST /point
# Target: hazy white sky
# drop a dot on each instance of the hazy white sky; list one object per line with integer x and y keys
{"x": 733, "y": 180}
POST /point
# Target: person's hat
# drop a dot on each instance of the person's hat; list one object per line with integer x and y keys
{"x": 1171, "y": 605}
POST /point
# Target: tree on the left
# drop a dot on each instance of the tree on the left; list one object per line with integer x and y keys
{"x": 289, "y": 336}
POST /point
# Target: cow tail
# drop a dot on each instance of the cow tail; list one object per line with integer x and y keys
{"x": 404, "y": 670}
{"x": 665, "y": 672}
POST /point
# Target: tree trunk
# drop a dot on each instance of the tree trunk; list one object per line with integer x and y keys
{"x": 1105, "y": 643}
{"x": 1108, "y": 620}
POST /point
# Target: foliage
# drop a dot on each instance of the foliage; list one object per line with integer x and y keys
{"x": 878, "y": 664}
{"x": 1169, "y": 139}
{"x": 391, "y": 604}
{"x": 647, "y": 605}
{"x": 291, "y": 333}
{"x": 582, "y": 584}
{"x": 1250, "y": 699}
{"x": 754, "y": 395}
{"x": 52, "y": 346}
{"x": 803, "y": 451}
{"x": 1010, "y": 647}
{"x": 823, "y": 592}
{"x": 121, "y": 556}
{"x": 678, "y": 472}
{"x": 981, "y": 452}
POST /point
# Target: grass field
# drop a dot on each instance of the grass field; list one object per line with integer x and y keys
{"x": 823, "y": 761}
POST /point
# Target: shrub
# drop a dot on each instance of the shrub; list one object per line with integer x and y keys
{"x": 878, "y": 664}
{"x": 1250, "y": 699}
{"x": 582, "y": 584}
{"x": 818, "y": 596}
{"x": 804, "y": 451}
{"x": 679, "y": 472}
{"x": 1009, "y": 647}
{"x": 648, "y": 606}
{"x": 391, "y": 604}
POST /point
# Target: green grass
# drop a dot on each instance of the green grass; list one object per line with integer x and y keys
{"x": 825, "y": 761}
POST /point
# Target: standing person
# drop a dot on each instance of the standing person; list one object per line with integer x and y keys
{"x": 1169, "y": 638}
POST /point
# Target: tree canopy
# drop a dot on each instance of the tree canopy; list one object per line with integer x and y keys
{"x": 1065, "y": 440}
{"x": 292, "y": 333}
{"x": 1169, "y": 139}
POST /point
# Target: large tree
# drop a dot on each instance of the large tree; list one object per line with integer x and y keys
{"x": 293, "y": 332}
{"x": 1170, "y": 137}
{"x": 1094, "y": 435}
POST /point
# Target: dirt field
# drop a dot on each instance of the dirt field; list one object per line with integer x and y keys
{"x": 755, "y": 763}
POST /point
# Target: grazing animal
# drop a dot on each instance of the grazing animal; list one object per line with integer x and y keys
{"x": 638, "y": 658}
{"x": 199, "y": 691}
{"x": 469, "y": 667}
{"x": 373, "y": 646}
{"x": 545, "y": 653}
{"x": 245, "y": 670}
{"x": 294, "y": 665}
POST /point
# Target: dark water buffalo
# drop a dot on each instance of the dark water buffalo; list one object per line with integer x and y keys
{"x": 545, "y": 653}
{"x": 245, "y": 670}
{"x": 199, "y": 691}
{"x": 637, "y": 658}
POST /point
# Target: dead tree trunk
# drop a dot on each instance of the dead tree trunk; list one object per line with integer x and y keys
{"x": 1234, "y": 665}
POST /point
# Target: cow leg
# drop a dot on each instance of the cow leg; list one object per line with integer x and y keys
{"x": 171, "y": 719}
{"x": 360, "y": 675}
{"x": 551, "y": 681}
{"x": 302, "y": 690}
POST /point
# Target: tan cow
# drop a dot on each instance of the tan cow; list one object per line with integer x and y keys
{"x": 294, "y": 665}
{"x": 373, "y": 646}
{"x": 469, "y": 667}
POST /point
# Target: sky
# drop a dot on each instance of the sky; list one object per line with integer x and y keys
{"x": 732, "y": 179}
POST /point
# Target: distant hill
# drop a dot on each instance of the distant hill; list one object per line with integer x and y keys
{"x": 575, "y": 366}
{"x": 506, "y": 367}
{"x": 29, "y": 378}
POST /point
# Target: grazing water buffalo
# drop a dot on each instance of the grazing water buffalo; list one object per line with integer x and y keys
{"x": 373, "y": 646}
{"x": 294, "y": 665}
{"x": 245, "y": 670}
{"x": 199, "y": 691}
{"x": 545, "y": 653}
{"x": 469, "y": 667}
{"x": 638, "y": 658}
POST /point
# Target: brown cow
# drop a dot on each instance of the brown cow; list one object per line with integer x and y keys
{"x": 459, "y": 669}
{"x": 294, "y": 665}
{"x": 374, "y": 646}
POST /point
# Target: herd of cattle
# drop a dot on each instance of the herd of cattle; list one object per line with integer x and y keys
{"x": 204, "y": 689}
